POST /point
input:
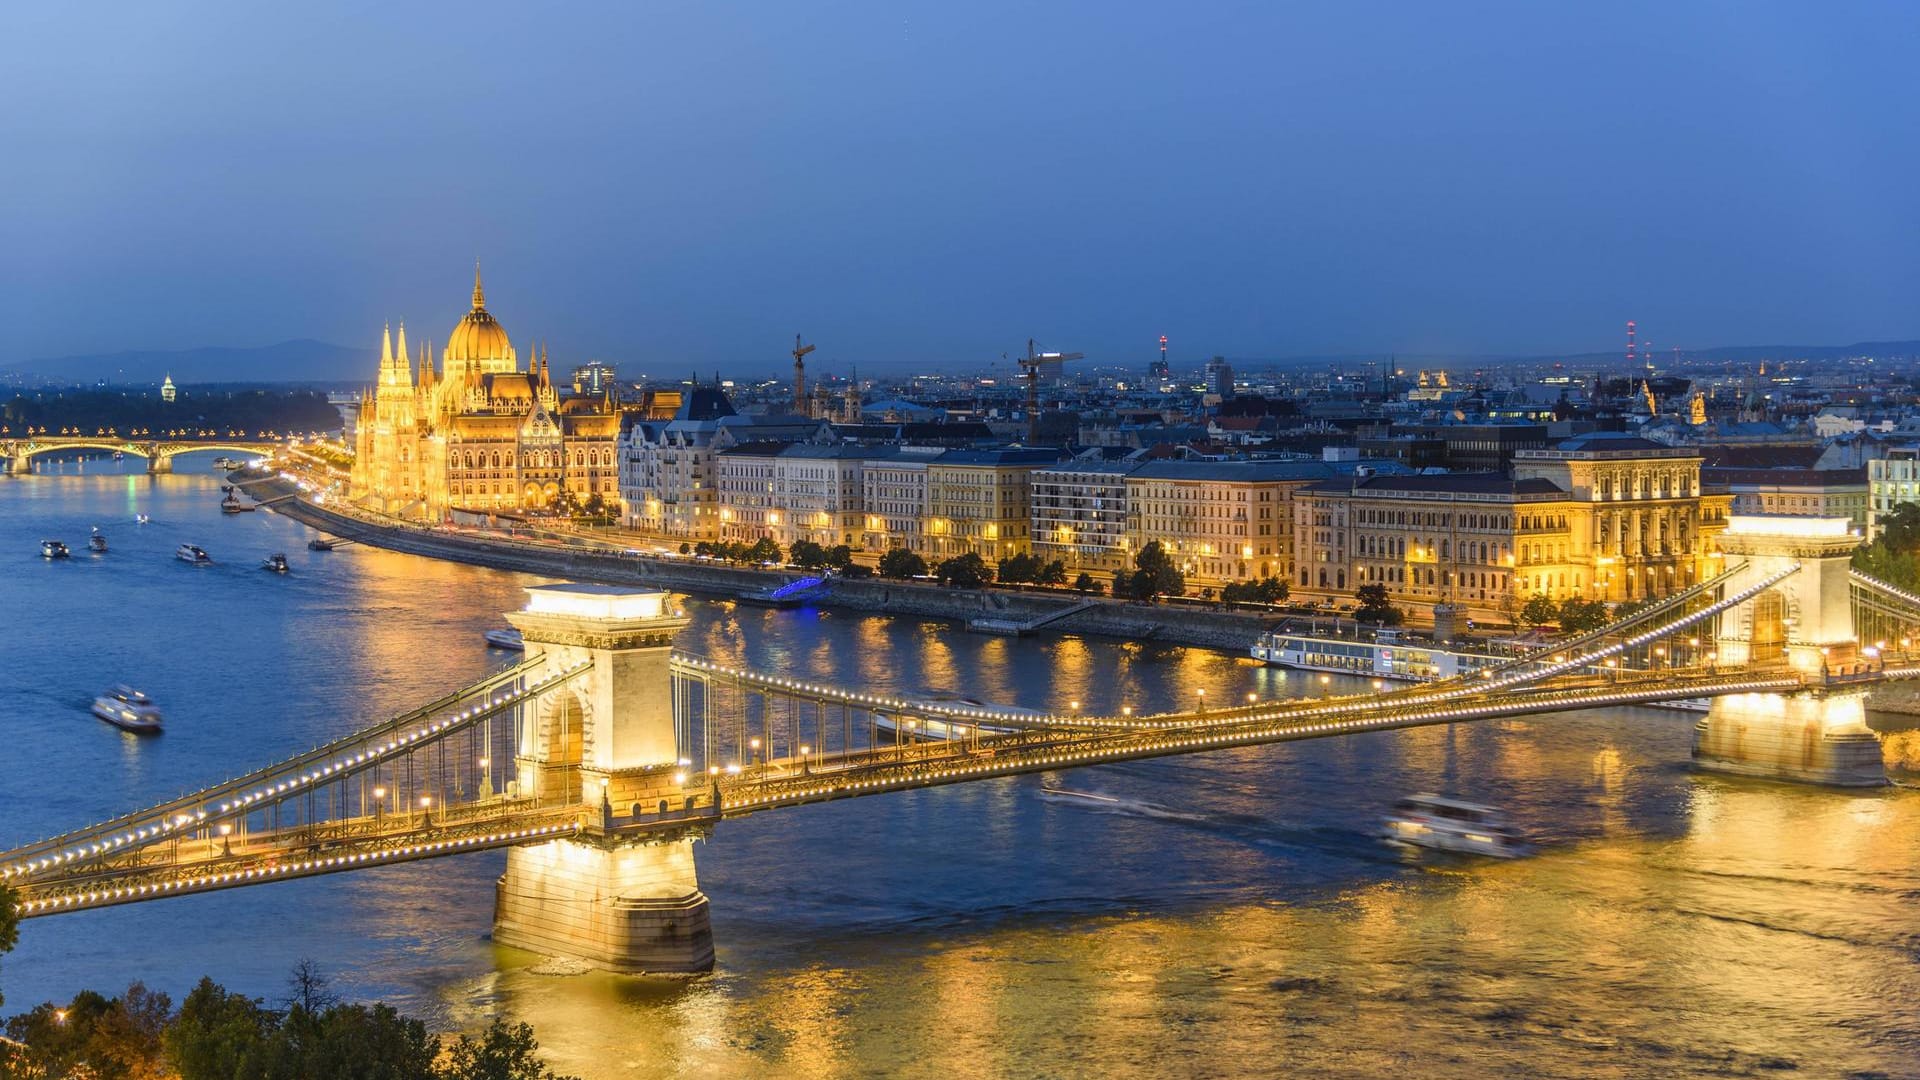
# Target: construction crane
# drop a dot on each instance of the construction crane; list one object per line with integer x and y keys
{"x": 1030, "y": 370}
{"x": 800, "y": 375}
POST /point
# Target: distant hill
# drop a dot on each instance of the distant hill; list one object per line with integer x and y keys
{"x": 290, "y": 361}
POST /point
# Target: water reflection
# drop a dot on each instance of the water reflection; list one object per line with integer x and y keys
{"x": 1674, "y": 924}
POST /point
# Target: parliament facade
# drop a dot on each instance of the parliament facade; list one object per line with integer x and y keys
{"x": 479, "y": 433}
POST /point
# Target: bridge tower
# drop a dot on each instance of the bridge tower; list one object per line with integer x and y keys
{"x": 158, "y": 463}
{"x": 1805, "y": 622}
{"x": 606, "y": 739}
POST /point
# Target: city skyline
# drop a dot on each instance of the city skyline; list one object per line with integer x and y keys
{"x": 936, "y": 186}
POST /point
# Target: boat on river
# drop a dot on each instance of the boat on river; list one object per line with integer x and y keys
{"x": 128, "y": 709}
{"x": 54, "y": 549}
{"x": 276, "y": 563}
{"x": 1438, "y": 823}
{"x": 97, "y": 543}
{"x": 505, "y": 639}
{"x": 192, "y": 553}
{"x": 1394, "y": 655}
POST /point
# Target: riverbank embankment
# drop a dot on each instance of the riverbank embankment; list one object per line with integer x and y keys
{"x": 1231, "y": 631}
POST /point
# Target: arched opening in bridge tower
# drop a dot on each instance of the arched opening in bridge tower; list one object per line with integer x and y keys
{"x": 1769, "y": 636}
{"x": 562, "y": 751}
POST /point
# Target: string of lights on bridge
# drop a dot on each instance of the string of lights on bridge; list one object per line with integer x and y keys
{"x": 280, "y": 871}
{"x": 177, "y": 823}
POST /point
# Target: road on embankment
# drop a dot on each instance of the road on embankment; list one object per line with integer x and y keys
{"x": 1231, "y": 631}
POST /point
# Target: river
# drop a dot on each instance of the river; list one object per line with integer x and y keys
{"x": 1231, "y": 915}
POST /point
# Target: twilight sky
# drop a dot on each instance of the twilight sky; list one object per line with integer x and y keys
{"x": 677, "y": 184}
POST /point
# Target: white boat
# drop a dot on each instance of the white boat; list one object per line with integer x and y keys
{"x": 128, "y": 709}
{"x": 97, "y": 543}
{"x": 54, "y": 549}
{"x": 276, "y": 562}
{"x": 141, "y": 519}
{"x": 505, "y": 639}
{"x": 925, "y": 728}
{"x": 192, "y": 554}
{"x": 1442, "y": 824}
{"x": 1393, "y": 656}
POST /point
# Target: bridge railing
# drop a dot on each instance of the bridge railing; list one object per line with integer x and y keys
{"x": 320, "y": 773}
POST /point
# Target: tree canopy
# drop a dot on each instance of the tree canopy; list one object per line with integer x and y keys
{"x": 901, "y": 563}
{"x": 1155, "y": 574}
{"x": 1376, "y": 606}
{"x": 968, "y": 571}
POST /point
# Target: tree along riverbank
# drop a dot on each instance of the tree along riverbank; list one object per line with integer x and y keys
{"x": 1233, "y": 631}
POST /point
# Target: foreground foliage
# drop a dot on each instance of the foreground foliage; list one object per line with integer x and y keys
{"x": 220, "y": 1035}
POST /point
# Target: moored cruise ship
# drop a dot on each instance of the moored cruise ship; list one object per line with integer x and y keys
{"x": 1392, "y": 655}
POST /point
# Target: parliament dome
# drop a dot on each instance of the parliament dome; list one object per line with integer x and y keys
{"x": 479, "y": 338}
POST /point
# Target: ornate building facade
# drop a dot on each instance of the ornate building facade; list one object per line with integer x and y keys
{"x": 479, "y": 433}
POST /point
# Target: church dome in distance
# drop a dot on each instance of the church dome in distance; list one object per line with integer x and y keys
{"x": 479, "y": 338}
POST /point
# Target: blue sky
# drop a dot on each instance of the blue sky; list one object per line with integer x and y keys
{"x": 679, "y": 185}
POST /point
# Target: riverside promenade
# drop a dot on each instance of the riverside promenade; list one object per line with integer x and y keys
{"x": 592, "y": 562}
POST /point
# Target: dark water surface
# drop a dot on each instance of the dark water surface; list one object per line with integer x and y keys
{"x": 1231, "y": 916}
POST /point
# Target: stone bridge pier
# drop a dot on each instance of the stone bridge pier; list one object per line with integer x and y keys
{"x": 1806, "y": 621}
{"x": 604, "y": 740}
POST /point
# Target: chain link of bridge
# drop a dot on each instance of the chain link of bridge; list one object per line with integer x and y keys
{"x": 599, "y": 759}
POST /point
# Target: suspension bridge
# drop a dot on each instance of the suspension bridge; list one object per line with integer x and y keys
{"x": 600, "y": 758}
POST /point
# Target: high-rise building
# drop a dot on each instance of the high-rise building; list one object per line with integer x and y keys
{"x": 1219, "y": 379}
{"x": 594, "y": 378}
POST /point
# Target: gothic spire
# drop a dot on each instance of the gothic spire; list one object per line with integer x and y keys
{"x": 479, "y": 294}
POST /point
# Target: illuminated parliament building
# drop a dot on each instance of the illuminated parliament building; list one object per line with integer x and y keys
{"x": 479, "y": 434}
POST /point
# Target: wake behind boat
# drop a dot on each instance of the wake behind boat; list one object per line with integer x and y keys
{"x": 1118, "y": 805}
{"x": 128, "y": 709}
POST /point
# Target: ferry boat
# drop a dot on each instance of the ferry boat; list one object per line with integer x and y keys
{"x": 232, "y": 504}
{"x": 127, "y": 709}
{"x": 936, "y": 729}
{"x": 1395, "y": 657}
{"x": 141, "y": 519}
{"x": 276, "y": 562}
{"x": 505, "y": 639}
{"x": 1442, "y": 824}
{"x": 223, "y": 463}
{"x": 317, "y": 544}
{"x": 1390, "y": 655}
{"x": 192, "y": 554}
{"x": 54, "y": 549}
{"x": 97, "y": 543}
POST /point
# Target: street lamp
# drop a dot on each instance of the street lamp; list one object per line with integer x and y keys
{"x": 426, "y": 810}
{"x": 379, "y": 804}
{"x": 226, "y": 841}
